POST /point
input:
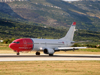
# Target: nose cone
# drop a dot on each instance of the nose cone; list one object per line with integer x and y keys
{"x": 11, "y": 46}
{"x": 25, "y": 44}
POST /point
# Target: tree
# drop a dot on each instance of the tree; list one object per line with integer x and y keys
{"x": 76, "y": 45}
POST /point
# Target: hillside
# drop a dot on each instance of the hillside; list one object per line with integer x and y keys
{"x": 10, "y": 29}
{"x": 54, "y": 13}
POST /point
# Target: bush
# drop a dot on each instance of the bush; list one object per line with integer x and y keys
{"x": 7, "y": 41}
{"x": 76, "y": 45}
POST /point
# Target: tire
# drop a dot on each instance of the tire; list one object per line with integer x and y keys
{"x": 50, "y": 54}
{"x": 37, "y": 53}
{"x": 18, "y": 53}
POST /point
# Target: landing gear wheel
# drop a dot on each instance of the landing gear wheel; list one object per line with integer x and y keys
{"x": 37, "y": 53}
{"x": 18, "y": 53}
{"x": 50, "y": 54}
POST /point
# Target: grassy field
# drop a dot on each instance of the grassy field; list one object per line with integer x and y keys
{"x": 50, "y": 68}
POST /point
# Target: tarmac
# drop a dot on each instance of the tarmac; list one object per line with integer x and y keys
{"x": 43, "y": 57}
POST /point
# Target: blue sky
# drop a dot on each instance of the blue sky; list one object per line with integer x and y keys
{"x": 70, "y": 0}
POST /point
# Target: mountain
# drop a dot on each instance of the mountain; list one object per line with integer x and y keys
{"x": 54, "y": 13}
{"x": 79, "y": 0}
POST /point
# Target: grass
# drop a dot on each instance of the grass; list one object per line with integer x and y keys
{"x": 50, "y": 68}
{"x": 90, "y": 50}
{"x": 4, "y": 48}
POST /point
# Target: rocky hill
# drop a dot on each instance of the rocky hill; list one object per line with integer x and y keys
{"x": 54, "y": 13}
{"x": 11, "y": 0}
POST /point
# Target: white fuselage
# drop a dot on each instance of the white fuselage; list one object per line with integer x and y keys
{"x": 49, "y": 43}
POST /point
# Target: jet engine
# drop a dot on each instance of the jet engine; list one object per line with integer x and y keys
{"x": 48, "y": 51}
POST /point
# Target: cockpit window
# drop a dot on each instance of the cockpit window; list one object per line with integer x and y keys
{"x": 15, "y": 42}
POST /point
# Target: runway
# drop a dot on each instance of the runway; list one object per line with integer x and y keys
{"x": 56, "y": 57}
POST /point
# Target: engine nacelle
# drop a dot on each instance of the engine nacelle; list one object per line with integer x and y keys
{"x": 48, "y": 51}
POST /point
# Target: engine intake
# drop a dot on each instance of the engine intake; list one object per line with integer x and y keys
{"x": 48, "y": 51}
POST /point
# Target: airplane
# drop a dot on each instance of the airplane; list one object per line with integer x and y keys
{"x": 48, "y": 46}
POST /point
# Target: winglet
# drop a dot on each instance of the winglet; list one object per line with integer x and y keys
{"x": 74, "y": 23}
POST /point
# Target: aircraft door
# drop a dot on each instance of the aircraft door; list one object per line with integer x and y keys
{"x": 66, "y": 43}
{"x": 28, "y": 44}
{"x": 24, "y": 43}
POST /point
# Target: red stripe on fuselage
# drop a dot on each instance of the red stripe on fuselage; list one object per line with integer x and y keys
{"x": 24, "y": 44}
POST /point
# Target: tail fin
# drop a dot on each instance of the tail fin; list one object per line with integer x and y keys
{"x": 70, "y": 34}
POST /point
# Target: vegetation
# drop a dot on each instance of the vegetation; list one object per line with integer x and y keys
{"x": 90, "y": 50}
{"x": 10, "y": 30}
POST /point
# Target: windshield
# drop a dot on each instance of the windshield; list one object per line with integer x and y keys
{"x": 15, "y": 42}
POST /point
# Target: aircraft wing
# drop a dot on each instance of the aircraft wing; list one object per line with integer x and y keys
{"x": 68, "y": 48}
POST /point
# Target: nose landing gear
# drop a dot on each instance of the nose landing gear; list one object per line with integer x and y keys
{"x": 37, "y": 53}
{"x": 18, "y": 53}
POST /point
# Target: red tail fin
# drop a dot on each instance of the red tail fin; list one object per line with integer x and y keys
{"x": 74, "y": 23}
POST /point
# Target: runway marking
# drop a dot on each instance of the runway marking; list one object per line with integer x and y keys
{"x": 56, "y": 57}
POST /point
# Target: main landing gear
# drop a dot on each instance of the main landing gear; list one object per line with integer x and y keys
{"x": 37, "y": 53}
{"x": 50, "y": 54}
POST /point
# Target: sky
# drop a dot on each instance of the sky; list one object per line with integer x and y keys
{"x": 70, "y": 0}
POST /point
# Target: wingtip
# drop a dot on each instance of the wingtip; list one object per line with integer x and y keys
{"x": 74, "y": 23}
